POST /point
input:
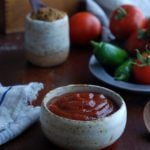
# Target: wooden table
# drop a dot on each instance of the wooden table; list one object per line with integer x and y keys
{"x": 14, "y": 69}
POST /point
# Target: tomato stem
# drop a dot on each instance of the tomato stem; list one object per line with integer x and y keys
{"x": 145, "y": 61}
{"x": 121, "y": 13}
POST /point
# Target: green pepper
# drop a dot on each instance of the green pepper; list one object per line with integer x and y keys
{"x": 123, "y": 72}
{"x": 109, "y": 54}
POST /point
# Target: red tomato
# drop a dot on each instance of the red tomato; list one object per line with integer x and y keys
{"x": 147, "y": 23}
{"x": 142, "y": 73}
{"x": 125, "y": 20}
{"x": 84, "y": 27}
{"x": 138, "y": 40}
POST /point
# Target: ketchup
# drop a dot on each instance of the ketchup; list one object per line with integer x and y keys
{"x": 82, "y": 106}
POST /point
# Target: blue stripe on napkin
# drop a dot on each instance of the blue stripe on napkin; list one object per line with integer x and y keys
{"x": 4, "y": 94}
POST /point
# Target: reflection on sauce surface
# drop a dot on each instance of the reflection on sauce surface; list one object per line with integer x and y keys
{"x": 82, "y": 106}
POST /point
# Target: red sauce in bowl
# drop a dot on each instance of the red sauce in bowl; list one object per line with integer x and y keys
{"x": 82, "y": 106}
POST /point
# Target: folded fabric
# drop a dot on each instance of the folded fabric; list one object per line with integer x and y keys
{"x": 16, "y": 109}
{"x": 95, "y": 9}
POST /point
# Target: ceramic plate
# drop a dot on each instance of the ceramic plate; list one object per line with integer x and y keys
{"x": 99, "y": 72}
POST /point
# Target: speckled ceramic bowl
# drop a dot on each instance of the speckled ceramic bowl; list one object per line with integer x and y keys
{"x": 46, "y": 43}
{"x": 83, "y": 135}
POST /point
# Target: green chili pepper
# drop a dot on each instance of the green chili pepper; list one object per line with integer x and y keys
{"x": 109, "y": 54}
{"x": 123, "y": 72}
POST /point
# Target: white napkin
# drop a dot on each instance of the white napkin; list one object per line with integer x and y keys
{"x": 16, "y": 109}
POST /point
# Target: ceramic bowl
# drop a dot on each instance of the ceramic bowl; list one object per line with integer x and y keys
{"x": 83, "y": 135}
{"x": 46, "y": 43}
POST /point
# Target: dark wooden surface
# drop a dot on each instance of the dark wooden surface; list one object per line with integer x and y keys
{"x": 14, "y": 69}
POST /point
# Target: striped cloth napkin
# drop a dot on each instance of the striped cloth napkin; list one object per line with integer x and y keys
{"x": 16, "y": 109}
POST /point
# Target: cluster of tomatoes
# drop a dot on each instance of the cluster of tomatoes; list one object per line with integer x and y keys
{"x": 128, "y": 24}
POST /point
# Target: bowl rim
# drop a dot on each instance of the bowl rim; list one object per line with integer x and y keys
{"x": 46, "y": 101}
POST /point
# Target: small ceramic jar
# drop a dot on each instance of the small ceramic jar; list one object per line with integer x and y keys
{"x": 47, "y": 43}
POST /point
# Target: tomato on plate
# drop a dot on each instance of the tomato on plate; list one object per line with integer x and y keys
{"x": 125, "y": 20}
{"x": 147, "y": 23}
{"x": 141, "y": 69}
{"x": 138, "y": 40}
{"x": 84, "y": 27}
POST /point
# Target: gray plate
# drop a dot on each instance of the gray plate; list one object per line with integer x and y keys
{"x": 99, "y": 72}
